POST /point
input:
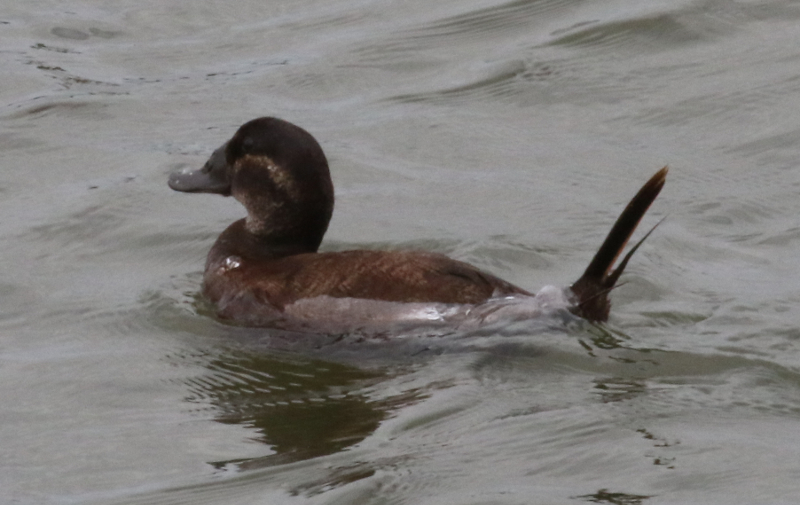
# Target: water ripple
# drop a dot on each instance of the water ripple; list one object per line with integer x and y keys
{"x": 518, "y": 14}
{"x": 649, "y": 34}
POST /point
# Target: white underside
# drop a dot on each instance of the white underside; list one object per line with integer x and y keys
{"x": 346, "y": 315}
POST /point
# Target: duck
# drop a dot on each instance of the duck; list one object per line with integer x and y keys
{"x": 266, "y": 270}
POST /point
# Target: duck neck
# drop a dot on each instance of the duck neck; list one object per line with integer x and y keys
{"x": 238, "y": 240}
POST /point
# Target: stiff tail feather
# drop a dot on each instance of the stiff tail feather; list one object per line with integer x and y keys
{"x": 593, "y": 287}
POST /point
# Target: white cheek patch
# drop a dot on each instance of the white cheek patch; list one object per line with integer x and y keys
{"x": 264, "y": 211}
{"x": 280, "y": 176}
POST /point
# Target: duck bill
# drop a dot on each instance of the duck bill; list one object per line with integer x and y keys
{"x": 212, "y": 178}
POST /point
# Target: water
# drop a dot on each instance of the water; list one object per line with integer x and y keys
{"x": 505, "y": 134}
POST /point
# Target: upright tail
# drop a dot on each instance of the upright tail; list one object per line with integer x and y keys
{"x": 592, "y": 289}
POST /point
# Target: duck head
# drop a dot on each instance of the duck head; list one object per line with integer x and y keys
{"x": 279, "y": 173}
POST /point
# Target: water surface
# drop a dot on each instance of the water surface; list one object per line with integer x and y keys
{"x": 506, "y": 134}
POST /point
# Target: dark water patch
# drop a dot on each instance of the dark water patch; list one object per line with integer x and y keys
{"x": 110, "y": 226}
{"x": 179, "y": 307}
{"x": 614, "y": 498}
{"x": 647, "y": 33}
{"x": 782, "y": 238}
{"x": 93, "y": 225}
{"x": 331, "y": 20}
{"x": 743, "y": 211}
{"x": 90, "y": 104}
{"x": 615, "y": 389}
{"x": 69, "y": 33}
{"x": 397, "y": 54}
{"x": 45, "y": 47}
{"x": 72, "y": 80}
{"x": 330, "y": 82}
{"x": 506, "y": 16}
{"x": 759, "y": 12}
{"x": 726, "y": 212}
{"x": 503, "y": 254}
{"x": 65, "y": 108}
{"x": 9, "y": 141}
{"x": 42, "y": 66}
{"x": 499, "y": 83}
{"x": 503, "y": 80}
{"x": 533, "y": 81}
{"x": 772, "y": 148}
{"x": 299, "y": 406}
{"x": 299, "y": 409}
{"x": 15, "y": 303}
{"x": 75, "y": 315}
{"x": 235, "y": 71}
{"x": 722, "y": 105}
{"x": 104, "y": 34}
{"x": 301, "y": 480}
{"x": 338, "y": 477}
{"x": 669, "y": 318}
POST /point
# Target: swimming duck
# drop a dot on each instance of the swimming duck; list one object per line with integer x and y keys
{"x": 265, "y": 270}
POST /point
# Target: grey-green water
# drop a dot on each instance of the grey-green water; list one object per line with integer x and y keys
{"x": 506, "y": 134}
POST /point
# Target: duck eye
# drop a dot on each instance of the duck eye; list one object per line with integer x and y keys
{"x": 247, "y": 144}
